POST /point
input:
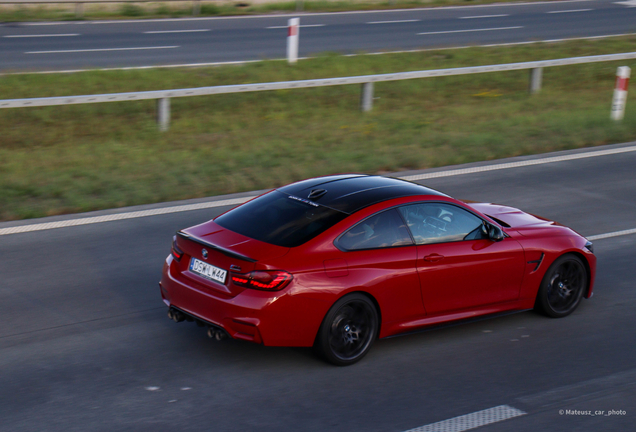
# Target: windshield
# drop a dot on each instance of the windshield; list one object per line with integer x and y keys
{"x": 280, "y": 219}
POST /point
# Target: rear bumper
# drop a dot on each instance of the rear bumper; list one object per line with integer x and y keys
{"x": 280, "y": 318}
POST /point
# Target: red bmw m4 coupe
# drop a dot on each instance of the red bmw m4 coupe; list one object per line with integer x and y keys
{"x": 337, "y": 262}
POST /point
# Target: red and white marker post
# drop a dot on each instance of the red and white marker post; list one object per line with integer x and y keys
{"x": 620, "y": 92}
{"x": 292, "y": 40}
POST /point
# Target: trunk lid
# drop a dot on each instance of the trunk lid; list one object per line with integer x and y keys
{"x": 226, "y": 251}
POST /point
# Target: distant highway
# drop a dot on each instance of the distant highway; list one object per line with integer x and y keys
{"x": 85, "y": 343}
{"x": 137, "y": 43}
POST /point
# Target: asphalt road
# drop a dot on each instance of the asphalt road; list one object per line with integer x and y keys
{"x": 85, "y": 343}
{"x": 105, "y": 44}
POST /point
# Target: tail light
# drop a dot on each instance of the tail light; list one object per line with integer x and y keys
{"x": 263, "y": 280}
{"x": 176, "y": 252}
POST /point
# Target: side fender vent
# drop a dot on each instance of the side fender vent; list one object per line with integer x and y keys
{"x": 537, "y": 262}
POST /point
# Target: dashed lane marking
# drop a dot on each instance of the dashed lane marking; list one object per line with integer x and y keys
{"x": 471, "y": 30}
{"x": 239, "y": 62}
{"x": 266, "y": 16}
{"x": 612, "y": 234}
{"x": 176, "y": 31}
{"x": 394, "y": 21}
{"x": 472, "y": 420}
{"x": 101, "y": 50}
{"x": 484, "y": 16}
{"x": 43, "y": 35}
{"x": 301, "y": 26}
{"x": 570, "y": 11}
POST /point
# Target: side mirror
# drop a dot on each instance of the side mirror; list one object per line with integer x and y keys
{"x": 495, "y": 233}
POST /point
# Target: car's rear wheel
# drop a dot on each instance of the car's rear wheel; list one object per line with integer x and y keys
{"x": 562, "y": 287}
{"x": 348, "y": 330}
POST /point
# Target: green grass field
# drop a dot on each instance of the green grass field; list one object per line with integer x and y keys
{"x": 56, "y": 160}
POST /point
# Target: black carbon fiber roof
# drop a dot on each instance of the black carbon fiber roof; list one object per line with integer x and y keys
{"x": 352, "y": 192}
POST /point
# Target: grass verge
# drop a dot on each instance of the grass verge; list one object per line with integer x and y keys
{"x": 56, "y": 160}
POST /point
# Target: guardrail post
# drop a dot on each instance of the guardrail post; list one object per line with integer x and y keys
{"x": 79, "y": 10}
{"x": 196, "y": 7}
{"x": 536, "y": 78}
{"x": 163, "y": 114}
{"x": 620, "y": 93}
{"x": 366, "y": 98}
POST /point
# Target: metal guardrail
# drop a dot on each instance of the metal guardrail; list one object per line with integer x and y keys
{"x": 367, "y": 81}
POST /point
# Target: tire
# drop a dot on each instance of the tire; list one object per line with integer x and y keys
{"x": 562, "y": 287}
{"x": 348, "y": 330}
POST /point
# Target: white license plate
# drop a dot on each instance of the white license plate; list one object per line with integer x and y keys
{"x": 207, "y": 271}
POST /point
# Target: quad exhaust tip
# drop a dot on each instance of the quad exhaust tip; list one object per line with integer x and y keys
{"x": 175, "y": 315}
{"x": 216, "y": 334}
{"x": 213, "y": 333}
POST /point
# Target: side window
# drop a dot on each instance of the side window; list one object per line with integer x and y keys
{"x": 441, "y": 223}
{"x": 382, "y": 230}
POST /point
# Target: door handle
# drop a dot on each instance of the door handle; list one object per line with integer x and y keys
{"x": 433, "y": 257}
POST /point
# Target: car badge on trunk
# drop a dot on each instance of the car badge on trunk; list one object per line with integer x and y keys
{"x": 204, "y": 252}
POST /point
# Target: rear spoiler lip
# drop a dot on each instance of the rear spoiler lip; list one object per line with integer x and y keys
{"x": 223, "y": 250}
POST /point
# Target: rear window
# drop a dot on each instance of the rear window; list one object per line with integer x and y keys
{"x": 280, "y": 219}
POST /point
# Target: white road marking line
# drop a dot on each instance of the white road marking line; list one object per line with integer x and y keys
{"x": 101, "y": 50}
{"x": 43, "y": 35}
{"x": 628, "y": 3}
{"x": 612, "y": 234}
{"x": 69, "y": 71}
{"x": 394, "y": 21}
{"x": 485, "y": 16}
{"x": 239, "y": 62}
{"x": 473, "y": 420}
{"x": 121, "y": 216}
{"x": 236, "y": 201}
{"x": 554, "y": 40}
{"x": 177, "y": 31}
{"x": 53, "y": 23}
{"x": 519, "y": 164}
{"x": 377, "y": 11}
{"x": 571, "y": 11}
{"x": 301, "y": 26}
{"x": 471, "y": 30}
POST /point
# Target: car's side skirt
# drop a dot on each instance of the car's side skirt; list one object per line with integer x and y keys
{"x": 452, "y": 319}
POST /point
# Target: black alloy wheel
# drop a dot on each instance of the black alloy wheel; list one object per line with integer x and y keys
{"x": 348, "y": 330}
{"x": 562, "y": 287}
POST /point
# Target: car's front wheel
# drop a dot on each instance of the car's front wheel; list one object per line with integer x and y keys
{"x": 348, "y": 330}
{"x": 562, "y": 287}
